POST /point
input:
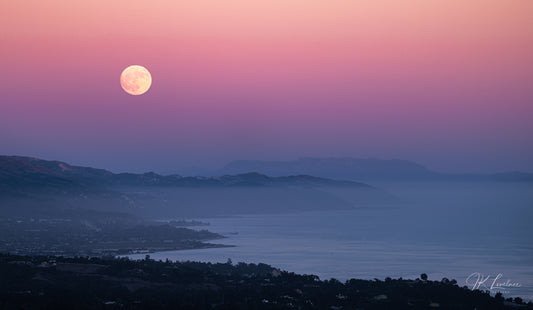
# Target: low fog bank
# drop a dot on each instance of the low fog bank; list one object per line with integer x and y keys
{"x": 190, "y": 202}
{"x": 466, "y": 212}
{"x": 207, "y": 202}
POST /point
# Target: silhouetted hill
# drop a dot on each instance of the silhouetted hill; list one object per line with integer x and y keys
{"x": 363, "y": 169}
{"x": 44, "y": 186}
{"x": 17, "y": 171}
{"x": 340, "y": 168}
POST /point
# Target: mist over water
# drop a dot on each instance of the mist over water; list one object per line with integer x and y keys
{"x": 443, "y": 229}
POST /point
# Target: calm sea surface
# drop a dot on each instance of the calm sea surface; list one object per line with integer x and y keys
{"x": 451, "y": 230}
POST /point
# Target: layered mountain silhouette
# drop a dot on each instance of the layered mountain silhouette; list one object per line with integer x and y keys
{"x": 363, "y": 169}
{"x": 31, "y": 183}
{"x": 19, "y": 172}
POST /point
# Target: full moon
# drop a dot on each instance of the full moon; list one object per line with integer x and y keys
{"x": 135, "y": 80}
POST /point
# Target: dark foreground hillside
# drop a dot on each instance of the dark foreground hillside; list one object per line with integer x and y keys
{"x": 40, "y": 282}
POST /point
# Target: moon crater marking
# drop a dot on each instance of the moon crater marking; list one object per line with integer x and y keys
{"x": 135, "y": 80}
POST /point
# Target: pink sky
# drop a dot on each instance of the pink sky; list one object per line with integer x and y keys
{"x": 446, "y": 83}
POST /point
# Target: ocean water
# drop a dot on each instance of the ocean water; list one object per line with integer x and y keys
{"x": 455, "y": 230}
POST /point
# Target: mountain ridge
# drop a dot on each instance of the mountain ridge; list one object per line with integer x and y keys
{"x": 364, "y": 170}
{"x": 34, "y": 187}
{"x": 19, "y": 169}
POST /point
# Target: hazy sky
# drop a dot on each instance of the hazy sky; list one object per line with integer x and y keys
{"x": 448, "y": 84}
